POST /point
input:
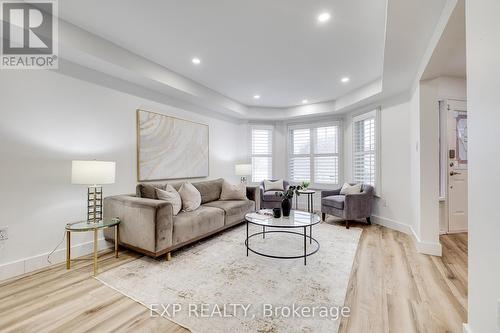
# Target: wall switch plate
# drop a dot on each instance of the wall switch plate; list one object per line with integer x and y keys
{"x": 4, "y": 233}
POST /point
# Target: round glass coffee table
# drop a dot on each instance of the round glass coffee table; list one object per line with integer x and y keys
{"x": 296, "y": 224}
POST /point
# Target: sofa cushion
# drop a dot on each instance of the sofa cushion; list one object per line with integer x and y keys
{"x": 271, "y": 196}
{"x": 276, "y": 185}
{"x": 210, "y": 190}
{"x": 350, "y": 189}
{"x": 335, "y": 201}
{"x": 172, "y": 196}
{"x": 233, "y": 192}
{"x": 191, "y": 198}
{"x": 189, "y": 225}
{"x": 148, "y": 191}
{"x": 235, "y": 210}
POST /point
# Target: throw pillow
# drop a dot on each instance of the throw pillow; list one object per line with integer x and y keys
{"x": 276, "y": 185}
{"x": 233, "y": 192}
{"x": 350, "y": 189}
{"x": 148, "y": 190}
{"x": 191, "y": 197}
{"x": 172, "y": 196}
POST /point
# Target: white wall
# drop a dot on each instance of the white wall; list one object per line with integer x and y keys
{"x": 414, "y": 109}
{"x": 393, "y": 204}
{"x": 483, "y": 87}
{"x": 47, "y": 120}
{"x": 428, "y": 230}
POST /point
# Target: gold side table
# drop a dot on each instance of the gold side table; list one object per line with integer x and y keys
{"x": 84, "y": 226}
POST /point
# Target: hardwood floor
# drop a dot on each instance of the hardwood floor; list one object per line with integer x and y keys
{"x": 392, "y": 289}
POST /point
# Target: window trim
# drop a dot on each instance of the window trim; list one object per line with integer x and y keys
{"x": 271, "y": 155}
{"x": 340, "y": 151}
{"x": 362, "y": 116}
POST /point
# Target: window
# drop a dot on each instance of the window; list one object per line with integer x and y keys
{"x": 261, "y": 153}
{"x": 365, "y": 148}
{"x": 314, "y": 154}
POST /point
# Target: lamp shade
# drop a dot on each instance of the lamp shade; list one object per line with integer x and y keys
{"x": 93, "y": 172}
{"x": 243, "y": 169}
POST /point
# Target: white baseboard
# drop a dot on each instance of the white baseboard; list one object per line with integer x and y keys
{"x": 30, "y": 264}
{"x": 392, "y": 224}
{"x": 467, "y": 328}
{"x": 422, "y": 247}
{"x": 433, "y": 249}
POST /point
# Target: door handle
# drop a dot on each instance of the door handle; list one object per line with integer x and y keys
{"x": 453, "y": 173}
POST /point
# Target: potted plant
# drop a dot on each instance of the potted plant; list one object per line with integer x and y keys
{"x": 305, "y": 184}
{"x": 286, "y": 196}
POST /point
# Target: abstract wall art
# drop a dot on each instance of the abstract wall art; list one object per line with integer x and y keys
{"x": 170, "y": 148}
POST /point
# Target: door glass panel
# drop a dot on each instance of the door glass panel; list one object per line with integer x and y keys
{"x": 461, "y": 133}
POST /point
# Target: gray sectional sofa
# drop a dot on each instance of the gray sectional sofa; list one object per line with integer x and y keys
{"x": 149, "y": 226}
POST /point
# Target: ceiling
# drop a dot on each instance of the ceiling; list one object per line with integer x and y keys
{"x": 449, "y": 56}
{"x": 276, "y": 49}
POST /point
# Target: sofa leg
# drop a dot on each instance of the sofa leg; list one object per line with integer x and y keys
{"x": 368, "y": 220}
{"x": 323, "y": 216}
{"x": 347, "y": 224}
{"x": 169, "y": 256}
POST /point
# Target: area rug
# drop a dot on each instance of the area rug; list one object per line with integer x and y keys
{"x": 213, "y": 286}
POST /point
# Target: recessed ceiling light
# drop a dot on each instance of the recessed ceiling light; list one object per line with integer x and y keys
{"x": 256, "y": 96}
{"x": 345, "y": 79}
{"x": 323, "y": 17}
{"x": 196, "y": 61}
{"x": 305, "y": 101}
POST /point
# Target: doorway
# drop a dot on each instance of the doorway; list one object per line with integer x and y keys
{"x": 454, "y": 171}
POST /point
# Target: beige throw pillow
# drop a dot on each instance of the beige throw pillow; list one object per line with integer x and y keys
{"x": 191, "y": 197}
{"x": 172, "y": 196}
{"x": 348, "y": 189}
{"x": 233, "y": 192}
{"x": 273, "y": 186}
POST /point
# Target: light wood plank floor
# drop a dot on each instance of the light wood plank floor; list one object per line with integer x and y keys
{"x": 391, "y": 289}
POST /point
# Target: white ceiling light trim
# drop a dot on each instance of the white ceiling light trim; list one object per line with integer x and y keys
{"x": 305, "y": 101}
{"x": 256, "y": 96}
{"x": 196, "y": 61}
{"x": 345, "y": 79}
{"x": 324, "y": 17}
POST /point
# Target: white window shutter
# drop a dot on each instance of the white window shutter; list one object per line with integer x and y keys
{"x": 313, "y": 154}
{"x": 364, "y": 150}
{"x": 262, "y": 150}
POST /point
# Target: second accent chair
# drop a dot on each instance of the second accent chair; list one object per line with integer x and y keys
{"x": 269, "y": 199}
{"x": 350, "y": 206}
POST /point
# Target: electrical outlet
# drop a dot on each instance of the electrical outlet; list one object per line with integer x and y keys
{"x": 4, "y": 233}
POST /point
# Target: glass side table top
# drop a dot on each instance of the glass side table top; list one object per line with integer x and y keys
{"x": 296, "y": 219}
{"x": 84, "y": 225}
{"x": 306, "y": 191}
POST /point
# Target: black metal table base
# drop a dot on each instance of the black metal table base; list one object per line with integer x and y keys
{"x": 310, "y": 202}
{"x": 304, "y": 234}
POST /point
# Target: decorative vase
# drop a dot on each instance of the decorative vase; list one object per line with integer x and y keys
{"x": 286, "y": 206}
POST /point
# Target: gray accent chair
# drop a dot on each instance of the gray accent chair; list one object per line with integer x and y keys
{"x": 269, "y": 199}
{"x": 348, "y": 207}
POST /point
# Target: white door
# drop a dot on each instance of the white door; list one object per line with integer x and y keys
{"x": 457, "y": 166}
